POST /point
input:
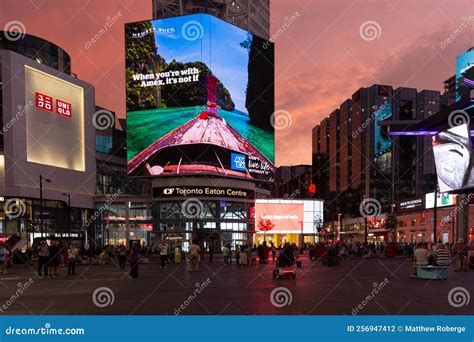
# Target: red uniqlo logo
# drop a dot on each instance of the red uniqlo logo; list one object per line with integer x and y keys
{"x": 44, "y": 102}
{"x": 63, "y": 108}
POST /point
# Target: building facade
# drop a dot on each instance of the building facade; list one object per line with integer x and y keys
{"x": 253, "y": 16}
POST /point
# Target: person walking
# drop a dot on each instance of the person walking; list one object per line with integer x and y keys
{"x": 460, "y": 251}
{"x": 55, "y": 256}
{"x": 225, "y": 252}
{"x": 261, "y": 253}
{"x": 72, "y": 254}
{"x": 211, "y": 252}
{"x": 177, "y": 254}
{"x": 122, "y": 257}
{"x": 134, "y": 259}
{"x": 163, "y": 254}
{"x": 4, "y": 256}
{"x": 43, "y": 259}
{"x": 194, "y": 257}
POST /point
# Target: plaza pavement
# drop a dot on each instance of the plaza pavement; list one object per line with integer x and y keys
{"x": 317, "y": 290}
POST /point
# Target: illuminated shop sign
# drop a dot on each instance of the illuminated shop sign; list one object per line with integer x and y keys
{"x": 444, "y": 199}
{"x": 45, "y": 102}
{"x": 237, "y": 161}
{"x": 412, "y": 204}
{"x": 202, "y": 191}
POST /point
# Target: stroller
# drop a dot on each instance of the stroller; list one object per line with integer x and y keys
{"x": 285, "y": 264}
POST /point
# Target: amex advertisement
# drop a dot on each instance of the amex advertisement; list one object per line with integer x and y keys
{"x": 200, "y": 95}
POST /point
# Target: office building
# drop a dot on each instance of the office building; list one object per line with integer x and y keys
{"x": 252, "y": 16}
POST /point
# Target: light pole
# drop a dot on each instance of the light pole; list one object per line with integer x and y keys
{"x": 68, "y": 214}
{"x": 435, "y": 210}
{"x": 41, "y": 202}
{"x": 339, "y": 226}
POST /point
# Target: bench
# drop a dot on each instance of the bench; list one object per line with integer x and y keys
{"x": 432, "y": 272}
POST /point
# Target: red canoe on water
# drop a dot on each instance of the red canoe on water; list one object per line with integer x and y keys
{"x": 198, "y": 146}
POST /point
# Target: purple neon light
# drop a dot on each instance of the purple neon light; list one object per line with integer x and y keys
{"x": 469, "y": 82}
{"x": 419, "y": 132}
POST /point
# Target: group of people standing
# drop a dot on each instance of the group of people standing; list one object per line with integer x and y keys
{"x": 50, "y": 257}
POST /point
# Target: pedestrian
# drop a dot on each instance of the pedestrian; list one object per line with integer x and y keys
{"x": 211, "y": 253}
{"x": 460, "y": 251}
{"x": 43, "y": 259}
{"x": 194, "y": 257}
{"x": 261, "y": 253}
{"x": 225, "y": 252}
{"x": 237, "y": 255}
{"x": 243, "y": 257}
{"x": 163, "y": 254}
{"x": 72, "y": 254}
{"x": 4, "y": 256}
{"x": 55, "y": 255}
{"x": 177, "y": 254}
{"x": 133, "y": 259}
{"x": 122, "y": 257}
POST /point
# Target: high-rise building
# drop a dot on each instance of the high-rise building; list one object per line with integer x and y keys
{"x": 355, "y": 158}
{"x": 252, "y": 16}
{"x": 345, "y": 142}
{"x": 334, "y": 149}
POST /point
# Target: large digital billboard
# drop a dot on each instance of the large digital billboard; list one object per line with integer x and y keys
{"x": 200, "y": 97}
{"x": 290, "y": 216}
{"x": 453, "y": 153}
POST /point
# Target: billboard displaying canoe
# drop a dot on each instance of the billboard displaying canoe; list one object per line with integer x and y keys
{"x": 200, "y": 96}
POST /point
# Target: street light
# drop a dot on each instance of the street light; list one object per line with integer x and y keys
{"x": 68, "y": 213}
{"x": 41, "y": 201}
{"x": 339, "y": 226}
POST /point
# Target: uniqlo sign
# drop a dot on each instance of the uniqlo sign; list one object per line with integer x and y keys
{"x": 63, "y": 108}
{"x": 45, "y": 102}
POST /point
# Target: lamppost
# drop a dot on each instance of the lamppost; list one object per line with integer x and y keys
{"x": 41, "y": 201}
{"x": 68, "y": 214}
{"x": 339, "y": 223}
{"x": 435, "y": 211}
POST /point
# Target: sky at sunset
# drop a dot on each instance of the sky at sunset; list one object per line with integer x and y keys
{"x": 322, "y": 57}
